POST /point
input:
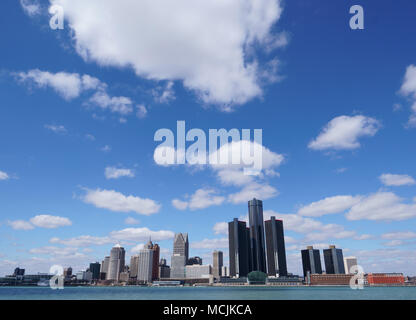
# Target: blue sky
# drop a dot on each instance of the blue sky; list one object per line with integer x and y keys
{"x": 334, "y": 104}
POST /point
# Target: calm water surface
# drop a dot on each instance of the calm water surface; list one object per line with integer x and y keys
{"x": 207, "y": 293}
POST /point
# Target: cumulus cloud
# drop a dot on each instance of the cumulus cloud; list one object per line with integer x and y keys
{"x": 82, "y": 241}
{"x": 201, "y": 199}
{"x": 132, "y": 221}
{"x": 164, "y": 94}
{"x": 141, "y": 111}
{"x": 31, "y": 7}
{"x": 330, "y": 205}
{"x": 396, "y": 180}
{"x": 382, "y": 206}
{"x": 121, "y": 105}
{"x": 344, "y": 132}
{"x": 221, "y": 228}
{"x": 68, "y": 85}
{"x": 116, "y": 201}
{"x": 202, "y": 43}
{"x": 116, "y": 173}
{"x": 50, "y": 222}
{"x": 253, "y": 190}
{"x": 4, "y": 176}
{"x": 141, "y": 234}
{"x": 408, "y": 89}
{"x": 210, "y": 244}
{"x": 41, "y": 221}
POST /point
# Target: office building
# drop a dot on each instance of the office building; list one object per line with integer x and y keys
{"x": 225, "y": 271}
{"x": 134, "y": 266}
{"x": 239, "y": 252}
{"x": 95, "y": 270}
{"x": 164, "y": 269}
{"x": 217, "y": 258}
{"x": 18, "y": 272}
{"x": 145, "y": 269}
{"x": 198, "y": 271}
{"x": 311, "y": 261}
{"x": 334, "y": 261}
{"x": 117, "y": 262}
{"x": 386, "y": 279}
{"x": 84, "y": 276}
{"x": 276, "y": 252}
{"x": 156, "y": 254}
{"x": 348, "y": 263}
{"x": 257, "y": 243}
{"x": 104, "y": 265}
{"x": 194, "y": 260}
{"x": 180, "y": 256}
{"x": 67, "y": 272}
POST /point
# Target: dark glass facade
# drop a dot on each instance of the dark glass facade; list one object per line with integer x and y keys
{"x": 257, "y": 243}
{"x": 238, "y": 238}
{"x": 334, "y": 261}
{"x": 276, "y": 252}
{"x": 311, "y": 261}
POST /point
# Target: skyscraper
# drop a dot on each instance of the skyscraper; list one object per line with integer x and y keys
{"x": 180, "y": 255}
{"x": 239, "y": 248}
{"x": 164, "y": 269}
{"x": 117, "y": 262}
{"x": 194, "y": 260}
{"x": 311, "y": 261}
{"x": 104, "y": 266}
{"x": 145, "y": 271}
{"x": 156, "y": 253}
{"x": 217, "y": 258}
{"x": 134, "y": 266}
{"x": 276, "y": 252}
{"x": 334, "y": 261}
{"x": 95, "y": 270}
{"x": 348, "y": 263}
{"x": 256, "y": 224}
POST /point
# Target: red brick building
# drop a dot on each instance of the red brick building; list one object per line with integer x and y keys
{"x": 330, "y": 279}
{"x": 396, "y": 279}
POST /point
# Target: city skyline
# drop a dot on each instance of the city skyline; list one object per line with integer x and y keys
{"x": 78, "y": 119}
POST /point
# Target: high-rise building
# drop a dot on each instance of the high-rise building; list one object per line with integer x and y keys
{"x": 145, "y": 265}
{"x": 348, "y": 263}
{"x": 156, "y": 253}
{"x": 256, "y": 225}
{"x": 95, "y": 270}
{"x": 198, "y": 271}
{"x": 117, "y": 262}
{"x": 134, "y": 266}
{"x": 224, "y": 272}
{"x": 180, "y": 256}
{"x": 164, "y": 269}
{"x": 334, "y": 261}
{"x": 194, "y": 260}
{"x": 276, "y": 252}
{"x": 104, "y": 265}
{"x": 311, "y": 261}
{"x": 239, "y": 248}
{"x": 18, "y": 272}
{"x": 217, "y": 263}
{"x": 67, "y": 272}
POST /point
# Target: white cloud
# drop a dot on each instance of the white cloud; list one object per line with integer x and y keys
{"x": 136, "y": 249}
{"x": 116, "y": 173}
{"x": 141, "y": 235}
{"x": 106, "y": 148}
{"x": 82, "y": 241}
{"x": 329, "y": 205}
{"x": 201, "y": 199}
{"x": 50, "y": 222}
{"x": 382, "y": 206}
{"x": 210, "y": 244}
{"x": 253, "y": 190}
{"x": 397, "y": 180}
{"x": 56, "y": 128}
{"x": 21, "y": 225}
{"x": 164, "y": 94}
{"x": 41, "y": 221}
{"x": 202, "y": 43}
{"x": 221, "y": 228}
{"x": 343, "y": 133}
{"x": 121, "y": 105}
{"x": 68, "y": 85}
{"x": 132, "y": 221}
{"x": 141, "y": 111}
{"x": 403, "y": 235}
{"x": 408, "y": 89}
{"x": 115, "y": 201}
{"x": 4, "y": 176}
{"x": 31, "y": 7}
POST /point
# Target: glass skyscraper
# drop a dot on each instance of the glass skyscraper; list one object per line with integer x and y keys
{"x": 257, "y": 243}
{"x": 334, "y": 261}
{"x": 311, "y": 261}
{"x": 239, "y": 248}
{"x": 276, "y": 252}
